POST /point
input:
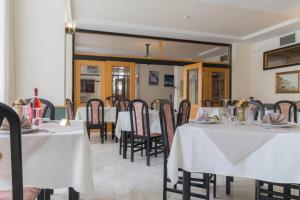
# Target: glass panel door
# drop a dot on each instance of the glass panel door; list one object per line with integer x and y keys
{"x": 217, "y": 85}
{"x": 120, "y": 80}
{"x": 89, "y": 81}
{"x": 193, "y": 86}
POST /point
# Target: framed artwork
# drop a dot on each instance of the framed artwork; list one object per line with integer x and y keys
{"x": 287, "y": 82}
{"x": 92, "y": 69}
{"x": 282, "y": 57}
{"x": 87, "y": 86}
{"x": 169, "y": 80}
{"x": 153, "y": 78}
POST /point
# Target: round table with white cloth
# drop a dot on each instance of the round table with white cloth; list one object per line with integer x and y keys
{"x": 123, "y": 123}
{"x": 109, "y": 114}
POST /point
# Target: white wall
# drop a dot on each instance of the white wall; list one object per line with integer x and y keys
{"x": 241, "y": 71}
{"x": 150, "y": 92}
{"x": 248, "y": 76}
{"x": 39, "y": 49}
{"x": 263, "y": 82}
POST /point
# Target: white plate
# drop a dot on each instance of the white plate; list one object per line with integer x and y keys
{"x": 30, "y": 130}
{"x": 287, "y": 125}
{"x": 204, "y": 122}
{"x": 23, "y": 131}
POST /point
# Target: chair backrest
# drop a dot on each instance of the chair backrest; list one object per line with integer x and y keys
{"x": 16, "y": 150}
{"x": 139, "y": 117}
{"x": 1, "y": 119}
{"x": 46, "y": 105}
{"x": 223, "y": 103}
{"x": 183, "y": 112}
{"x": 121, "y": 106}
{"x": 167, "y": 124}
{"x": 287, "y": 108}
{"x": 95, "y": 112}
{"x": 69, "y": 109}
{"x": 155, "y": 104}
{"x": 257, "y": 109}
{"x": 208, "y": 103}
{"x": 298, "y": 105}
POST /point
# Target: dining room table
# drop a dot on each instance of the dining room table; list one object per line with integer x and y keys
{"x": 109, "y": 114}
{"x": 256, "y": 151}
{"x": 54, "y": 157}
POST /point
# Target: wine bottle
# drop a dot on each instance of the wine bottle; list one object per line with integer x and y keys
{"x": 36, "y": 109}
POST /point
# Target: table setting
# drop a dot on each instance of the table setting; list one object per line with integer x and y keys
{"x": 238, "y": 146}
{"x": 45, "y": 144}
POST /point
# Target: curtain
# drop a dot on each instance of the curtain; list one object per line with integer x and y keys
{"x": 6, "y": 52}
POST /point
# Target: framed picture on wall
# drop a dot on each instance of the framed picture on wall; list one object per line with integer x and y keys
{"x": 153, "y": 78}
{"x": 287, "y": 82}
{"x": 169, "y": 80}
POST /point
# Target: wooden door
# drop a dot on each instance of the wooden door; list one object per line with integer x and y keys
{"x": 217, "y": 84}
{"x": 120, "y": 79}
{"x": 89, "y": 81}
{"x": 193, "y": 86}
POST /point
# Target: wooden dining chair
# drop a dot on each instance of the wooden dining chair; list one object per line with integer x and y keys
{"x": 257, "y": 109}
{"x": 17, "y": 192}
{"x": 47, "y": 105}
{"x": 288, "y": 109}
{"x": 122, "y": 106}
{"x": 208, "y": 103}
{"x": 183, "y": 112}
{"x": 95, "y": 117}
{"x": 141, "y": 138}
{"x": 69, "y": 109}
{"x": 167, "y": 124}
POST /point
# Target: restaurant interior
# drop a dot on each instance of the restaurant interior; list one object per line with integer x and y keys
{"x": 149, "y": 100}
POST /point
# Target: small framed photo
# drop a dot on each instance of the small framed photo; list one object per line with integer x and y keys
{"x": 287, "y": 82}
{"x": 153, "y": 78}
{"x": 169, "y": 80}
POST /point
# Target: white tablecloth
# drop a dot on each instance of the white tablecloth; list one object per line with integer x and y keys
{"x": 109, "y": 114}
{"x": 276, "y": 159}
{"x": 62, "y": 161}
{"x": 123, "y": 123}
{"x": 211, "y": 111}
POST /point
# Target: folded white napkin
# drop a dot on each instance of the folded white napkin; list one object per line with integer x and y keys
{"x": 203, "y": 117}
{"x": 25, "y": 123}
{"x": 274, "y": 119}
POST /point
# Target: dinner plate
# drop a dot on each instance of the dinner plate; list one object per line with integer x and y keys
{"x": 204, "y": 122}
{"x": 287, "y": 125}
{"x": 23, "y": 131}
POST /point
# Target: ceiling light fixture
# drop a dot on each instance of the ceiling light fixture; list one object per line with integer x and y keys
{"x": 147, "y": 50}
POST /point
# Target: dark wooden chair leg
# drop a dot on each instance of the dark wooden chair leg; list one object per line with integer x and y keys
{"x": 102, "y": 134}
{"x": 73, "y": 195}
{"x": 105, "y": 131}
{"x": 132, "y": 149}
{"x": 148, "y": 152}
{"x": 186, "y": 185}
{"x": 47, "y": 194}
{"x": 41, "y": 195}
{"x": 228, "y": 184}
{"x": 215, "y": 186}
{"x": 121, "y": 143}
{"x": 89, "y": 133}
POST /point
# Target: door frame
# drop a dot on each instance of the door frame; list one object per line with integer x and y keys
{"x": 78, "y": 64}
{"x": 131, "y": 66}
{"x": 186, "y": 68}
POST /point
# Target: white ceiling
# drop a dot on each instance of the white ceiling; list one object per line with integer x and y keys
{"x": 224, "y": 21}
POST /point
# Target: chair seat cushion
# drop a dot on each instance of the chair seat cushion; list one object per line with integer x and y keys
{"x": 30, "y": 193}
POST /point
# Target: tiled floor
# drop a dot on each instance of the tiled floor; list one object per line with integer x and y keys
{"x": 119, "y": 179}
